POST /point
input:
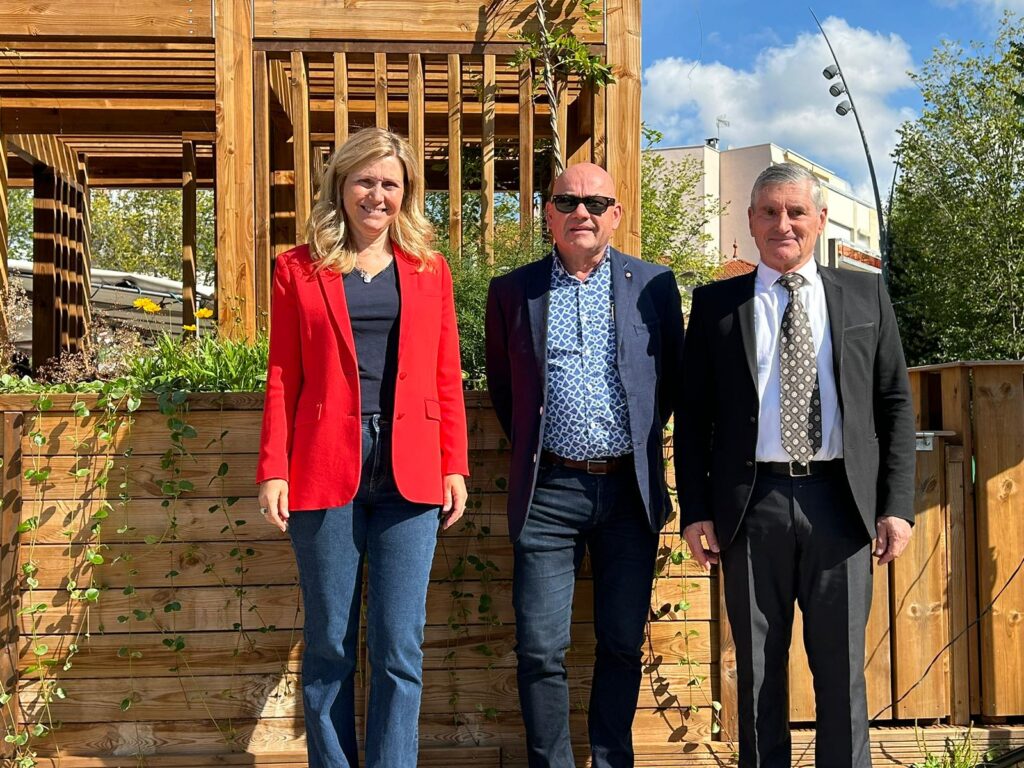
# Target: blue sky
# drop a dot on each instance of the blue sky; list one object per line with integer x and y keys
{"x": 759, "y": 65}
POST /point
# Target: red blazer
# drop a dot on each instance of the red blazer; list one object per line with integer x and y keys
{"x": 311, "y": 433}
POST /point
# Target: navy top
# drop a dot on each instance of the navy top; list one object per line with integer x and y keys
{"x": 373, "y": 309}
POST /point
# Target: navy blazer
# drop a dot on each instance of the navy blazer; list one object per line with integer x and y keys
{"x": 649, "y": 337}
{"x": 716, "y": 429}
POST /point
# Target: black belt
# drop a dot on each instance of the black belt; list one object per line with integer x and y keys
{"x": 800, "y": 468}
{"x": 606, "y": 466}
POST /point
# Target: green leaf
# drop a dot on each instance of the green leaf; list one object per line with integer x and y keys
{"x": 172, "y": 607}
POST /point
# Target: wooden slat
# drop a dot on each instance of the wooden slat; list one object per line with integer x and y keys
{"x": 380, "y": 89}
{"x": 45, "y": 323}
{"x": 45, "y": 150}
{"x": 188, "y": 233}
{"x": 404, "y": 21}
{"x": 526, "y": 149}
{"x": 956, "y": 416}
{"x": 340, "y": 98}
{"x": 86, "y": 232}
{"x": 489, "y": 95}
{"x": 416, "y": 115}
{"x": 261, "y": 144}
{"x": 63, "y": 262}
{"x": 877, "y": 649}
{"x": 80, "y": 298}
{"x": 956, "y": 578}
{"x": 728, "y": 693}
{"x": 236, "y": 285}
{"x": 4, "y": 227}
{"x": 455, "y": 154}
{"x": 999, "y": 456}
{"x": 919, "y": 621}
{"x": 10, "y": 596}
{"x": 562, "y": 120}
{"x": 300, "y": 144}
{"x": 108, "y": 18}
{"x": 623, "y": 116}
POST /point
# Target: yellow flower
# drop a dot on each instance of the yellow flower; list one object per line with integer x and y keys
{"x": 188, "y": 328}
{"x": 204, "y": 313}
{"x": 140, "y": 303}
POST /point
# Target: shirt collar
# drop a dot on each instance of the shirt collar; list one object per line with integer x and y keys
{"x": 558, "y": 268}
{"x": 768, "y": 277}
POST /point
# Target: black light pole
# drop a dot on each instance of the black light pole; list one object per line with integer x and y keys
{"x": 844, "y": 107}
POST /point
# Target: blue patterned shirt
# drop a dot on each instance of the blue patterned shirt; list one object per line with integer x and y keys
{"x": 587, "y": 414}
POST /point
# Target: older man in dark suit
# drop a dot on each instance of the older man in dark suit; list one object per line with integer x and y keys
{"x": 796, "y": 448}
{"x": 584, "y": 349}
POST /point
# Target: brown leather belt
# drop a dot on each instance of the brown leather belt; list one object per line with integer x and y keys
{"x": 606, "y": 466}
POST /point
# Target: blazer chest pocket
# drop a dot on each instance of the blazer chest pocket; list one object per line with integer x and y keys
{"x": 859, "y": 331}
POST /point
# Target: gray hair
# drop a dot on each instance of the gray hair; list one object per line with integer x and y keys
{"x": 788, "y": 173}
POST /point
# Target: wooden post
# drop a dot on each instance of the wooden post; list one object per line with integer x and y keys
{"x": 580, "y": 141}
{"x": 261, "y": 144}
{"x": 417, "y": 136}
{"x": 526, "y": 147}
{"x": 728, "y": 693}
{"x": 455, "y": 154}
{"x": 622, "y": 34}
{"x": 234, "y": 183}
{"x": 10, "y": 593}
{"x": 340, "y": 99}
{"x": 75, "y": 268}
{"x": 188, "y": 234}
{"x": 490, "y": 88}
{"x": 956, "y": 578}
{"x": 380, "y": 89}
{"x": 63, "y": 258}
{"x": 300, "y": 144}
{"x": 45, "y": 321}
{"x": 562, "y": 118}
{"x": 600, "y": 140}
{"x": 4, "y": 234}
{"x": 86, "y": 228}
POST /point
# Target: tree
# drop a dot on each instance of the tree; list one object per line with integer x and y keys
{"x": 674, "y": 217}
{"x": 957, "y": 218}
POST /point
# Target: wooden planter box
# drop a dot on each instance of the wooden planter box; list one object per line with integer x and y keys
{"x": 189, "y": 650}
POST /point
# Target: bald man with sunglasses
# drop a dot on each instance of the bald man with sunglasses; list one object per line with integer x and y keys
{"x": 584, "y": 358}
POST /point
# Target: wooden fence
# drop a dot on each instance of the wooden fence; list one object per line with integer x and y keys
{"x": 138, "y": 579}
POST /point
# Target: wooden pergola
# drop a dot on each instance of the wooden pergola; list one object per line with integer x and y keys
{"x": 249, "y": 96}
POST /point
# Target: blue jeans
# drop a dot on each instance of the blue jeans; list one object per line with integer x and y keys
{"x": 397, "y": 538}
{"x": 571, "y": 512}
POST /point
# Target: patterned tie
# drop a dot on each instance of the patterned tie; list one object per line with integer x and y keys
{"x": 799, "y": 401}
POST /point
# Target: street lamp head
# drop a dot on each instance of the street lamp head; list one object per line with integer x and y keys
{"x": 837, "y": 88}
{"x": 844, "y": 107}
{"x": 830, "y": 71}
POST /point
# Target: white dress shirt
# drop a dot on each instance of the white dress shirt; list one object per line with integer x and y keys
{"x": 770, "y": 302}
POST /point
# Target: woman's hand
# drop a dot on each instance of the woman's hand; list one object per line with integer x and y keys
{"x": 273, "y": 498}
{"x": 454, "y": 500}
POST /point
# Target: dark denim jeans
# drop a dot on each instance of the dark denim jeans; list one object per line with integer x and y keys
{"x": 573, "y": 512}
{"x": 397, "y": 538}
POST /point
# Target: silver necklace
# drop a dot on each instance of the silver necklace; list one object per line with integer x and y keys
{"x": 366, "y": 277}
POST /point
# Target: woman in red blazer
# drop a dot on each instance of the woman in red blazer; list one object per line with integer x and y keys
{"x": 364, "y": 444}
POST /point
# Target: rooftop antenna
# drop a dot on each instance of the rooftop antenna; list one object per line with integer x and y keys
{"x": 719, "y": 122}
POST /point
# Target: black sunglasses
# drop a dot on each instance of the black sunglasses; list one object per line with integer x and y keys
{"x": 595, "y": 204}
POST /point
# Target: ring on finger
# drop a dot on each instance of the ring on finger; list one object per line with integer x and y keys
{"x": 263, "y": 511}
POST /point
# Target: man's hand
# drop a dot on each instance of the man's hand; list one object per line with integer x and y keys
{"x": 893, "y": 535}
{"x": 692, "y": 533}
{"x": 273, "y": 502}
{"x": 454, "y": 500}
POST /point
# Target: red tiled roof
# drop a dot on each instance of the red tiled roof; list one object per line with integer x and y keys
{"x": 734, "y": 268}
{"x": 855, "y": 254}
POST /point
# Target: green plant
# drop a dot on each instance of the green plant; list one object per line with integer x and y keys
{"x": 957, "y": 754}
{"x": 207, "y": 363}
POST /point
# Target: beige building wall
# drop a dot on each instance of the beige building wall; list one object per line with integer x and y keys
{"x": 729, "y": 174}
{"x": 710, "y": 160}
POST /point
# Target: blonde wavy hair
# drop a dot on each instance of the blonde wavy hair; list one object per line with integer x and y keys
{"x": 328, "y": 232}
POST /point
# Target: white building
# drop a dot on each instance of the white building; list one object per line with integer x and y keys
{"x": 851, "y": 238}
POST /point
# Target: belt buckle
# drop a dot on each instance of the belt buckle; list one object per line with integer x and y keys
{"x": 799, "y": 469}
{"x": 597, "y": 466}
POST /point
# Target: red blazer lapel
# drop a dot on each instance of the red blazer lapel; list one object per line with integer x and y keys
{"x": 333, "y": 291}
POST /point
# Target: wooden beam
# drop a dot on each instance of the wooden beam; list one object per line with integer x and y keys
{"x": 340, "y": 98}
{"x": 45, "y": 150}
{"x": 188, "y": 234}
{"x": 261, "y": 126}
{"x": 120, "y": 118}
{"x": 45, "y": 328}
{"x": 623, "y": 156}
{"x": 487, "y": 158}
{"x": 300, "y": 144}
{"x": 4, "y": 235}
{"x": 107, "y": 18}
{"x": 404, "y": 20}
{"x": 526, "y": 147}
{"x": 233, "y": 190}
{"x": 455, "y": 154}
{"x": 416, "y": 115}
{"x": 380, "y": 89}
{"x": 437, "y": 47}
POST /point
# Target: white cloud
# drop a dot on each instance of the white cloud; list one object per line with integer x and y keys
{"x": 784, "y": 99}
{"x": 990, "y": 8}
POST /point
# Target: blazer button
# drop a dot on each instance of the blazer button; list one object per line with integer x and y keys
{"x": 541, "y": 410}
{"x": 753, "y": 419}
{"x": 750, "y": 463}
{"x": 534, "y": 458}
{"x": 402, "y": 375}
{"x": 400, "y": 415}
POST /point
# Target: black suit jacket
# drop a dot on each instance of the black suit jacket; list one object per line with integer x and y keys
{"x": 716, "y": 436}
{"x": 649, "y": 334}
